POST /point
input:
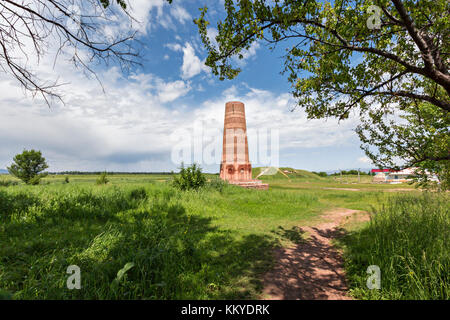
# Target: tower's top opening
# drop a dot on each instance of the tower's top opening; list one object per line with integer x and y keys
{"x": 234, "y": 107}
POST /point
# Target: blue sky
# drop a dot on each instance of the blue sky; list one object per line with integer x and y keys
{"x": 135, "y": 123}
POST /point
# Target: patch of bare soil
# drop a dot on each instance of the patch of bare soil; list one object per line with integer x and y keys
{"x": 313, "y": 269}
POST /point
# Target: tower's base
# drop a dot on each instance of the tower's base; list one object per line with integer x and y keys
{"x": 251, "y": 184}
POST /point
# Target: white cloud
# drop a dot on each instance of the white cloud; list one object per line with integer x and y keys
{"x": 141, "y": 11}
{"x": 172, "y": 90}
{"x": 146, "y": 15}
{"x": 174, "y": 46}
{"x": 247, "y": 54}
{"x": 180, "y": 14}
{"x": 125, "y": 127}
{"x": 192, "y": 65}
{"x": 129, "y": 126}
{"x": 250, "y": 52}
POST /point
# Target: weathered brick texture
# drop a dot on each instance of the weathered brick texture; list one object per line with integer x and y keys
{"x": 235, "y": 166}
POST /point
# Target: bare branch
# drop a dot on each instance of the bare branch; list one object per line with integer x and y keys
{"x": 41, "y": 22}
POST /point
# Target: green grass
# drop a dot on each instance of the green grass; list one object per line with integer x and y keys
{"x": 207, "y": 244}
{"x": 291, "y": 173}
{"x": 184, "y": 245}
{"x": 409, "y": 239}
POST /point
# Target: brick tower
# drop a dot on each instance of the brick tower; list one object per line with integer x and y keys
{"x": 235, "y": 166}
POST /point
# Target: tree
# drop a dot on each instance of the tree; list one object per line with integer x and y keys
{"x": 28, "y": 166}
{"x": 351, "y": 56}
{"x": 421, "y": 141}
{"x": 77, "y": 26}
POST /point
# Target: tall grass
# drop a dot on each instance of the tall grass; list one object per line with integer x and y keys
{"x": 169, "y": 244}
{"x": 409, "y": 239}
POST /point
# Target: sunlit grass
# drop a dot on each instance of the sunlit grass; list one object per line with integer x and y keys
{"x": 409, "y": 239}
{"x": 197, "y": 245}
{"x": 206, "y": 244}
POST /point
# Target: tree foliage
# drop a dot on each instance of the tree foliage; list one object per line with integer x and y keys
{"x": 190, "y": 178}
{"x": 348, "y": 56}
{"x": 419, "y": 138}
{"x": 28, "y": 166}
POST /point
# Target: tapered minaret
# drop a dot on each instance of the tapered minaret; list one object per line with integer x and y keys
{"x": 235, "y": 166}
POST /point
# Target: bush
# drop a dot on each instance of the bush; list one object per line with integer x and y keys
{"x": 66, "y": 179}
{"x": 409, "y": 240}
{"x": 102, "y": 179}
{"x": 190, "y": 178}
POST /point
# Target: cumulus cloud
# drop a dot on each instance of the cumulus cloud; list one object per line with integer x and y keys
{"x": 94, "y": 129}
{"x": 151, "y": 13}
{"x": 192, "y": 65}
{"x": 172, "y": 90}
{"x": 266, "y": 110}
{"x": 180, "y": 14}
{"x": 247, "y": 54}
{"x": 134, "y": 125}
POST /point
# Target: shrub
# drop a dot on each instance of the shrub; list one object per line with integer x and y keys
{"x": 66, "y": 179}
{"x": 189, "y": 178}
{"x": 103, "y": 179}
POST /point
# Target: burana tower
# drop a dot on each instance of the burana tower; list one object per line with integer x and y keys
{"x": 235, "y": 166}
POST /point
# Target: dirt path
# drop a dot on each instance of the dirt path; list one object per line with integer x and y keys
{"x": 313, "y": 269}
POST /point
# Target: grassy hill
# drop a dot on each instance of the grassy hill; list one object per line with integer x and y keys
{"x": 293, "y": 174}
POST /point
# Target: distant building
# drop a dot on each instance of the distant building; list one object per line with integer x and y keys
{"x": 392, "y": 176}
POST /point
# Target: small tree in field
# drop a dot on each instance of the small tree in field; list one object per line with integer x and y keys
{"x": 189, "y": 178}
{"x": 28, "y": 166}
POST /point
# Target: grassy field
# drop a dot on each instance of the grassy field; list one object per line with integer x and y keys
{"x": 210, "y": 244}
